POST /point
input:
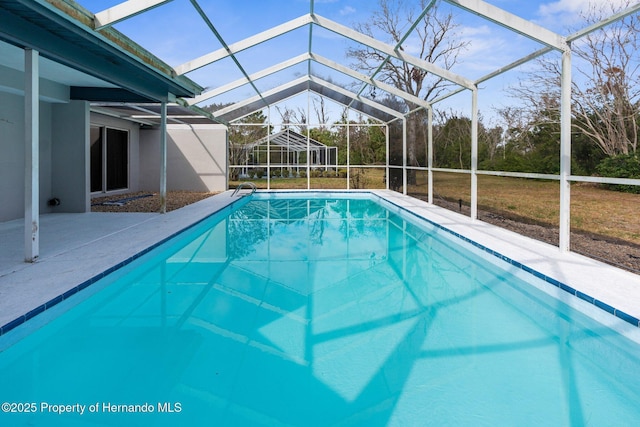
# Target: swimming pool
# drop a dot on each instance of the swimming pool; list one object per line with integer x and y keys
{"x": 323, "y": 311}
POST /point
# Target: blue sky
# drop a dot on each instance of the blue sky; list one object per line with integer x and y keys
{"x": 176, "y": 34}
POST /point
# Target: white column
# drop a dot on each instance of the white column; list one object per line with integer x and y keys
{"x": 404, "y": 155}
{"x": 269, "y": 148}
{"x": 163, "y": 157}
{"x": 474, "y": 154}
{"x": 565, "y": 153}
{"x": 32, "y": 158}
{"x": 226, "y": 157}
{"x": 430, "y": 154}
{"x": 326, "y": 158}
{"x": 308, "y": 142}
{"x": 348, "y": 153}
{"x": 387, "y": 170}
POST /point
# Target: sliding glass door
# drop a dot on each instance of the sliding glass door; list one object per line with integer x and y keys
{"x": 109, "y": 159}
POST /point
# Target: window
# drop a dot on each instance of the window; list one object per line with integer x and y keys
{"x": 109, "y": 159}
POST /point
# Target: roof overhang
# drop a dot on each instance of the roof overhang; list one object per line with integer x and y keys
{"x": 62, "y": 32}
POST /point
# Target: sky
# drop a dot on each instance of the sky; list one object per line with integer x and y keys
{"x": 176, "y": 34}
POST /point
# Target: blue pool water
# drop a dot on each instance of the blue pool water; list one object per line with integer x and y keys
{"x": 322, "y": 312}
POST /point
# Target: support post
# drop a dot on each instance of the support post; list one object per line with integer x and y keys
{"x": 387, "y": 169}
{"x": 430, "y": 155}
{"x": 326, "y": 157}
{"x": 227, "y": 157}
{"x": 348, "y": 153}
{"x": 565, "y": 153}
{"x": 404, "y": 155}
{"x": 308, "y": 143}
{"x": 32, "y": 157}
{"x": 474, "y": 154}
{"x": 163, "y": 157}
{"x": 269, "y": 148}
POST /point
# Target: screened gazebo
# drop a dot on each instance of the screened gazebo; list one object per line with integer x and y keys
{"x": 287, "y": 152}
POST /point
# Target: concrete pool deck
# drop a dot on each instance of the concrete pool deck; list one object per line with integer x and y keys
{"x": 76, "y": 247}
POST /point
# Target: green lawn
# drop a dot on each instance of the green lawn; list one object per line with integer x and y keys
{"x": 593, "y": 209}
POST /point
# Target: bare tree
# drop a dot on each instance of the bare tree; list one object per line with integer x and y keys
{"x": 291, "y": 117}
{"x": 493, "y": 138}
{"x": 321, "y": 112}
{"x": 287, "y": 116}
{"x": 605, "y": 88}
{"x": 437, "y": 43}
{"x": 302, "y": 126}
{"x": 608, "y": 105}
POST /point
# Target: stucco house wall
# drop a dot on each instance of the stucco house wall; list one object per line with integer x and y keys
{"x": 196, "y": 158}
{"x": 12, "y": 156}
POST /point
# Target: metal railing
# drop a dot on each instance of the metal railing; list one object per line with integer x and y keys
{"x": 243, "y": 184}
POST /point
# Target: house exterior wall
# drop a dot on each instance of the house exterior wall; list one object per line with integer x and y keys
{"x": 12, "y": 156}
{"x": 70, "y": 157}
{"x": 196, "y": 158}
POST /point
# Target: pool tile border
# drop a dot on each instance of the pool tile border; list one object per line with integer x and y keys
{"x": 54, "y": 301}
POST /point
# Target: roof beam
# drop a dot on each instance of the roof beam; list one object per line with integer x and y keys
{"x": 447, "y": 95}
{"x": 598, "y": 25}
{"x": 299, "y": 59}
{"x": 124, "y": 10}
{"x": 515, "y": 64}
{"x": 402, "y": 40}
{"x": 391, "y": 51}
{"x": 106, "y": 94}
{"x": 243, "y": 44}
{"x": 111, "y": 113}
{"x": 213, "y": 29}
{"x": 310, "y": 50}
{"x": 369, "y": 81}
{"x": 512, "y": 22}
{"x": 253, "y": 77}
{"x": 248, "y": 101}
{"x": 301, "y": 83}
{"x": 350, "y": 94}
{"x": 581, "y": 33}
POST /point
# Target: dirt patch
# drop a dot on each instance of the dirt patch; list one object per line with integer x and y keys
{"x": 610, "y": 250}
{"x": 145, "y": 201}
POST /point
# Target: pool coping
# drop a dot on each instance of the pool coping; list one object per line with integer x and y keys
{"x": 407, "y": 204}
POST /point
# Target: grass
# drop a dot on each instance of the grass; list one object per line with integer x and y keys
{"x": 369, "y": 179}
{"x": 593, "y": 209}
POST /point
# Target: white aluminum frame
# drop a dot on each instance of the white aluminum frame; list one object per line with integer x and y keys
{"x": 550, "y": 41}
